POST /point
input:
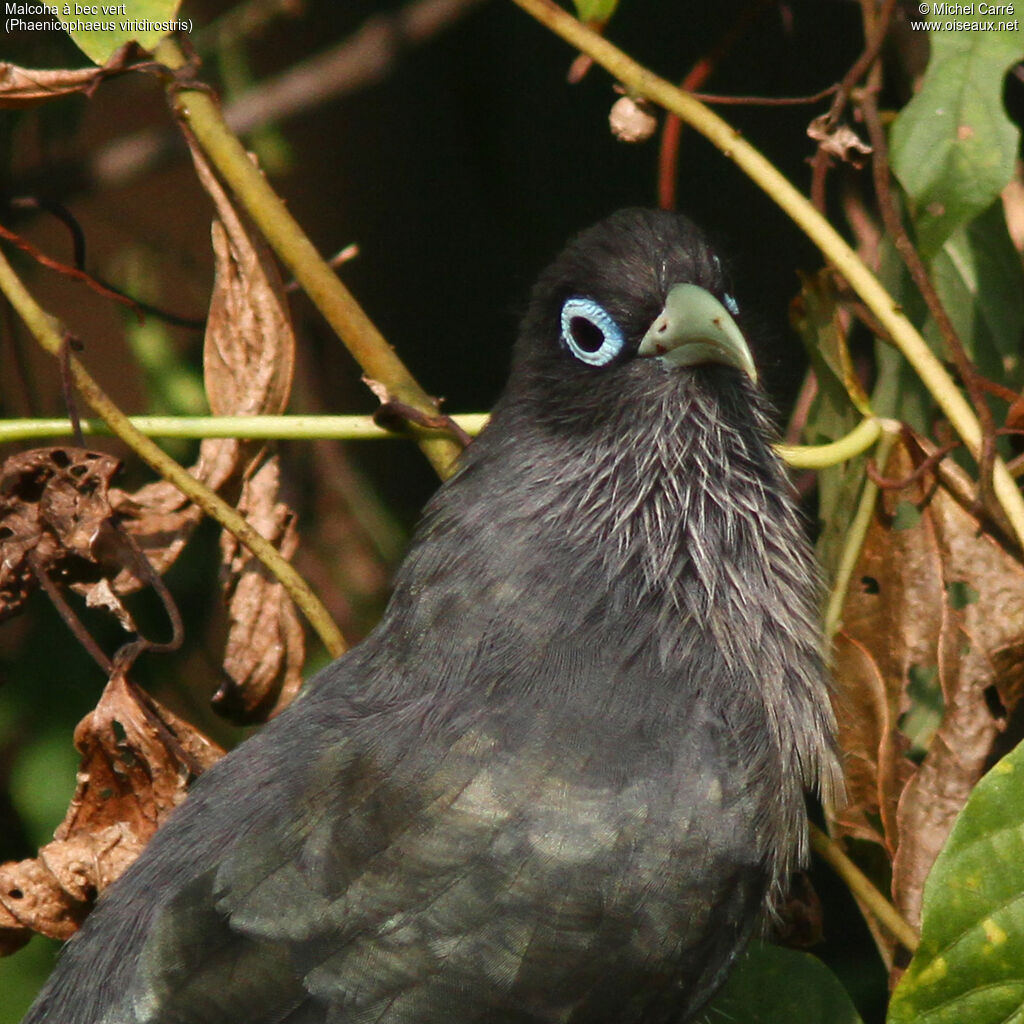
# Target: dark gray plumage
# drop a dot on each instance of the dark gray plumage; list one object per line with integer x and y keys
{"x": 564, "y": 775}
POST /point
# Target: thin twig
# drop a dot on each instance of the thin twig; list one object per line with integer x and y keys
{"x": 713, "y": 99}
{"x": 68, "y": 271}
{"x": 78, "y": 272}
{"x": 61, "y": 213}
{"x": 253, "y": 428}
{"x": 927, "y": 465}
{"x": 821, "y": 163}
{"x": 366, "y": 428}
{"x": 875, "y": 35}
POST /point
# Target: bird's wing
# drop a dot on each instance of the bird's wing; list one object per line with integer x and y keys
{"x": 487, "y": 882}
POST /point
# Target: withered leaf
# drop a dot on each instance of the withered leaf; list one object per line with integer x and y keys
{"x": 161, "y": 519}
{"x": 249, "y": 349}
{"x": 248, "y": 363}
{"x": 53, "y": 509}
{"x": 58, "y": 529}
{"x": 102, "y": 596}
{"x": 932, "y": 625}
{"x": 25, "y": 87}
{"x": 137, "y": 762}
{"x": 840, "y": 141}
{"x": 265, "y": 649}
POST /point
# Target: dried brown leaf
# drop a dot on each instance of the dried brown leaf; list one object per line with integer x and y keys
{"x": 248, "y": 359}
{"x": 25, "y": 87}
{"x": 137, "y": 762}
{"x": 102, "y": 596}
{"x": 266, "y": 646}
{"x": 874, "y": 763}
{"x": 161, "y": 519}
{"x": 249, "y": 349}
{"x": 932, "y": 627}
{"x": 59, "y": 530}
{"x": 840, "y": 141}
{"x": 53, "y": 511}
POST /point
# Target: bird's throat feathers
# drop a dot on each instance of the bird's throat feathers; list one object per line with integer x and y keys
{"x": 661, "y": 536}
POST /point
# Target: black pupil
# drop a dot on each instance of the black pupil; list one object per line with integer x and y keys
{"x": 586, "y": 333}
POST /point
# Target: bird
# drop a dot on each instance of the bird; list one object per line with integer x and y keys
{"x": 563, "y": 780}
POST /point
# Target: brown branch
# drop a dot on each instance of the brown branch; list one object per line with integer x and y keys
{"x": 671, "y": 132}
{"x": 929, "y": 463}
{"x": 68, "y": 344}
{"x": 67, "y": 613}
{"x": 863, "y": 64}
{"x": 67, "y": 271}
{"x": 764, "y": 101}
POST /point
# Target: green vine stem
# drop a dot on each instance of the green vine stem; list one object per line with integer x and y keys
{"x": 365, "y": 428}
{"x": 254, "y": 428}
{"x": 202, "y": 115}
{"x": 640, "y": 82}
{"x": 46, "y": 330}
{"x": 821, "y": 456}
{"x": 854, "y": 539}
{"x": 861, "y": 886}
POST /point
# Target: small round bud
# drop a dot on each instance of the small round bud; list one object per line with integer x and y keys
{"x": 631, "y": 120}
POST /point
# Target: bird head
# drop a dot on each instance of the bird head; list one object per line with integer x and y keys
{"x": 626, "y": 306}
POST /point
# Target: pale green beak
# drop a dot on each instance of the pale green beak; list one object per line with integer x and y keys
{"x": 694, "y": 328}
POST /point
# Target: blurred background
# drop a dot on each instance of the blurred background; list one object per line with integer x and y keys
{"x": 442, "y": 138}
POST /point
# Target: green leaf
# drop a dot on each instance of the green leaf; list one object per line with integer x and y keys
{"x": 838, "y": 407}
{"x": 595, "y": 11}
{"x": 816, "y": 317}
{"x": 978, "y": 277}
{"x": 953, "y": 145}
{"x": 99, "y": 27}
{"x": 970, "y": 965}
{"x": 898, "y": 392}
{"x": 771, "y": 985}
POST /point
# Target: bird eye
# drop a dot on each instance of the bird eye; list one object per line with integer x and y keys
{"x": 590, "y": 333}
